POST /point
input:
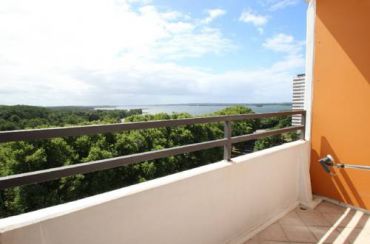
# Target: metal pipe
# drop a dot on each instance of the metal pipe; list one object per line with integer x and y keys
{"x": 352, "y": 166}
{"x": 328, "y": 161}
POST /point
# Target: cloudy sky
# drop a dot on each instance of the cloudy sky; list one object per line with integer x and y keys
{"x": 119, "y": 52}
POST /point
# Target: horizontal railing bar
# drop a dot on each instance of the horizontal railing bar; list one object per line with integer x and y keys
{"x": 33, "y": 134}
{"x": 255, "y": 136}
{"x": 83, "y": 168}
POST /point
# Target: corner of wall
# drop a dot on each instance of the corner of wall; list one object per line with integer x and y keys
{"x": 310, "y": 58}
{"x": 305, "y": 189}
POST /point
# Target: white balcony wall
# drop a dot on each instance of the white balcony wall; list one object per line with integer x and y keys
{"x": 218, "y": 203}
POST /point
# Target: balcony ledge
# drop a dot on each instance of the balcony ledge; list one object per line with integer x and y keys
{"x": 224, "y": 202}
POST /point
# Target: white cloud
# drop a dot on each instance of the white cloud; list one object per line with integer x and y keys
{"x": 274, "y": 5}
{"x": 213, "y": 14}
{"x": 284, "y": 43}
{"x": 248, "y": 16}
{"x": 290, "y": 47}
{"x": 148, "y": 83}
{"x": 107, "y": 52}
{"x": 98, "y": 33}
{"x": 259, "y": 21}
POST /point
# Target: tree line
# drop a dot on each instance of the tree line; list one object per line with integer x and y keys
{"x": 20, "y": 157}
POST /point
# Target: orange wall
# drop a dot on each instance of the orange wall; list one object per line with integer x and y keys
{"x": 341, "y": 104}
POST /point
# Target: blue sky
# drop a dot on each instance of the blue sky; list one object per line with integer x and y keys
{"x": 117, "y": 52}
{"x": 288, "y": 19}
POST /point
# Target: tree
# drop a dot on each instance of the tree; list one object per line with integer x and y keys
{"x": 20, "y": 157}
{"x": 241, "y": 128}
{"x": 275, "y": 123}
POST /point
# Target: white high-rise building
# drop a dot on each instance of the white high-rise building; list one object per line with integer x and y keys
{"x": 298, "y": 97}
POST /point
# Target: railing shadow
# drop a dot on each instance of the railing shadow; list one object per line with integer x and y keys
{"x": 347, "y": 192}
{"x": 347, "y": 226}
{"x": 355, "y": 233}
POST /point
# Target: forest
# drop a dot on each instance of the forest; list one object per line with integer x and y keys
{"x": 20, "y": 157}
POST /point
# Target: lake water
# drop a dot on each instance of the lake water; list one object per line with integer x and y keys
{"x": 202, "y": 109}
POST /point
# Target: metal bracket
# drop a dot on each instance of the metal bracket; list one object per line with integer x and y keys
{"x": 328, "y": 161}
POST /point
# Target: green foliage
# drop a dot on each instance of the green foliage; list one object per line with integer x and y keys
{"x": 274, "y": 123}
{"x": 268, "y": 142}
{"x": 241, "y": 128}
{"x": 19, "y": 157}
{"x": 21, "y": 116}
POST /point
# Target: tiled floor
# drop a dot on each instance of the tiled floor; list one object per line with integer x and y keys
{"x": 327, "y": 223}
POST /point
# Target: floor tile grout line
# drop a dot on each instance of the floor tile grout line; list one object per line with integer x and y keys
{"x": 282, "y": 228}
{"x": 304, "y": 222}
{"x": 289, "y": 241}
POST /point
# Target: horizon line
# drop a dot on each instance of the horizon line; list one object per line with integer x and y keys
{"x": 158, "y": 104}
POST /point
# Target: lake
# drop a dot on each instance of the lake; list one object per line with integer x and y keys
{"x": 199, "y": 109}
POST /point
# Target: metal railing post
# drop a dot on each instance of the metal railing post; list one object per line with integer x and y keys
{"x": 228, "y": 144}
{"x": 303, "y": 122}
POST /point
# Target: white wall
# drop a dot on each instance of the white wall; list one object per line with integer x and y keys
{"x": 310, "y": 59}
{"x": 216, "y": 203}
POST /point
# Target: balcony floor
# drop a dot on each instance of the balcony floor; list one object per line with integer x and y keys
{"x": 327, "y": 223}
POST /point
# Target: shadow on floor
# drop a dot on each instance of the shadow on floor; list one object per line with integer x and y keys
{"x": 327, "y": 223}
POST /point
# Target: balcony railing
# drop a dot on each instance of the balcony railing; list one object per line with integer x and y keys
{"x": 83, "y": 168}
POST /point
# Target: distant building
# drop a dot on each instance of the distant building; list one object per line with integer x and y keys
{"x": 298, "y": 97}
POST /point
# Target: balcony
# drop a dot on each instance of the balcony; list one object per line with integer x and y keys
{"x": 216, "y": 203}
{"x": 253, "y": 198}
{"x": 262, "y": 197}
